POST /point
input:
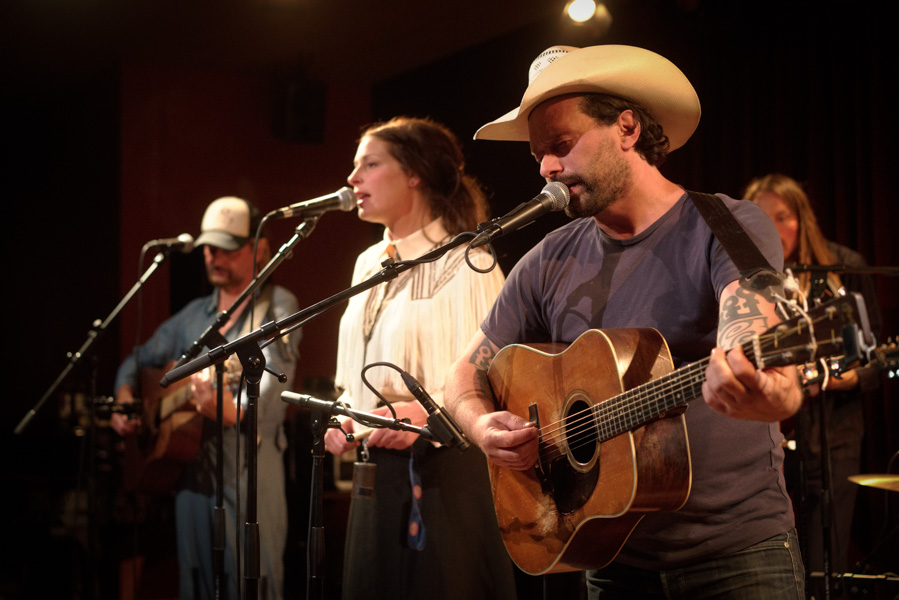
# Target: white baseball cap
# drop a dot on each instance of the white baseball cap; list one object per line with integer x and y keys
{"x": 227, "y": 223}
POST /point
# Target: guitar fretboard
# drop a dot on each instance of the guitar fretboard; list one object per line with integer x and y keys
{"x": 640, "y": 405}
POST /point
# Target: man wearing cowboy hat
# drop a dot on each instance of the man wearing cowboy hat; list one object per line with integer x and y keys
{"x": 639, "y": 254}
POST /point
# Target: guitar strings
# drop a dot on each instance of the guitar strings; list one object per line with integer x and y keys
{"x": 688, "y": 378}
{"x": 630, "y": 399}
{"x": 609, "y": 413}
{"x": 605, "y": 418}
{"x": 584, "y": 422}
{"x": 668, "y": 381}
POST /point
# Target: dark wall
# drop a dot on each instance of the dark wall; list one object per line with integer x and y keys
{"x": 60, "y": 175}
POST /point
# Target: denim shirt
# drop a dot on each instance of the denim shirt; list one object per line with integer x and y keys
{"x": 177, "y": 334}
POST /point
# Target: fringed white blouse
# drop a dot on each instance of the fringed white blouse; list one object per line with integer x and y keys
{"x": 420, "y": 321}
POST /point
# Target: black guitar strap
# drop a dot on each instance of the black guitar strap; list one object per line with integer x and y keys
{"x": 757, "y": 273}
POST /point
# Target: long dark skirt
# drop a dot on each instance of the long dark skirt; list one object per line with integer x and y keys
{"x": 463, "y": 557}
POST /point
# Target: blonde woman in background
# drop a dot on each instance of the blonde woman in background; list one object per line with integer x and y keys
{"x": 784, "y": 200}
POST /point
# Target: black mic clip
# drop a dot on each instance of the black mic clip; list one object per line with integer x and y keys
{"x": 106, "y": 406}
{"x": 441, "y": 425}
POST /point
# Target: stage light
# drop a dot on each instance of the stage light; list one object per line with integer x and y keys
{"x": 580, "y": 11}
{"x": 591, "y": 18}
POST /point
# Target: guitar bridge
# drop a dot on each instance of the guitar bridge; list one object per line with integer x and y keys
{"x": 545, "y": 485}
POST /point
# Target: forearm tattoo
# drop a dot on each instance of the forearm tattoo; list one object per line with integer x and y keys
{"x": 741, "y": 318}
{"x": 483, "y": 355}
{"x": 481, "y": 358}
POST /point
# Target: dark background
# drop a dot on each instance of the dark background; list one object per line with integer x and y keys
{"x": 122, "y": 123}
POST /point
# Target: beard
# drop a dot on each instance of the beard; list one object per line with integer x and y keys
{"x": 223, "y": 278}
{"x": 601, "y": 187}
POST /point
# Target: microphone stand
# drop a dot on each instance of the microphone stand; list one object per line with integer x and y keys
{"x": 253, "y": 364}
{"x": 322, "y": 411}
{"x": 270, "y": 331}
{"x": 98, "y": 329}
{"x": 285, "y": 251}
{"x": 818, "y": 293}
{"x": 218, "y": 512}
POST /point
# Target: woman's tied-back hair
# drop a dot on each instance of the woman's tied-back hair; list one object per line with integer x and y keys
{"x": 432, "y": 152}
{"x": 812, "y": 246}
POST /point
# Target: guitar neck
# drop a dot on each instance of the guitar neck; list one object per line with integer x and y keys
{"x": 174, "y": 402}
{"x": 654, "y": 399}
{"x": 647, "y": 402}
{"x": 824, "y": 331}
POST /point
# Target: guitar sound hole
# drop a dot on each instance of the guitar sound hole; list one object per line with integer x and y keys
{"x": 580, "y": 432}
{"x": 574, "y": 474}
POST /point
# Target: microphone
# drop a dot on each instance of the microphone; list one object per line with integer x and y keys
{"x": 307, "y": 401}
{"x": 442, "y": 425}
{"x": 343, "y": 199}
{"x": 182, "y": 243}
{"x": 554, "y": 197}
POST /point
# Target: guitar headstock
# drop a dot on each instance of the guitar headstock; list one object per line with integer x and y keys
{"x": 886, "y": 357}
{"x": 836, "y": 328}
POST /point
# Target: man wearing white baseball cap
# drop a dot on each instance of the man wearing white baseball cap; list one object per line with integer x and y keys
{"x": 227, "y": 236}
{"x": 638, "y": 254}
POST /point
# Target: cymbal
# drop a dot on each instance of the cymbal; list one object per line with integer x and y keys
{"x": 884, "y": 481}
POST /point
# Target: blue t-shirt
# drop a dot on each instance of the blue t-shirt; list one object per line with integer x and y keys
{"x": 669, "y": 277}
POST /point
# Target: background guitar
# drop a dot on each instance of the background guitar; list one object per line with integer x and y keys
{"x": 171, "y": 429}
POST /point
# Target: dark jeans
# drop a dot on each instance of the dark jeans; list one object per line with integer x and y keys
{"x": 771, "y": 569}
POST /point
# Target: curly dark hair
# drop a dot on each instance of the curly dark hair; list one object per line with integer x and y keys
{"x": 652, "y": 144}
{"x": 431, "y": 151}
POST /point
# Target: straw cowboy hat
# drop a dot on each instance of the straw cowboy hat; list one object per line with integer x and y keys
{"x": 624, "y": 71}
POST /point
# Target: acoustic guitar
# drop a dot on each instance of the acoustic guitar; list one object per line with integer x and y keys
{"x": 171, "y": 431}
{"x": 612, "y": 434}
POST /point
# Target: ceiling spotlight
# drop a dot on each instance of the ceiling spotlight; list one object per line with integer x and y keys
{"x": 590, "y": 18}
{"x": 580, "y": 11}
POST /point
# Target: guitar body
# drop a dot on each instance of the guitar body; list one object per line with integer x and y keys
{"x": 170, "y": 436}
{"x": 578, "y": 506}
